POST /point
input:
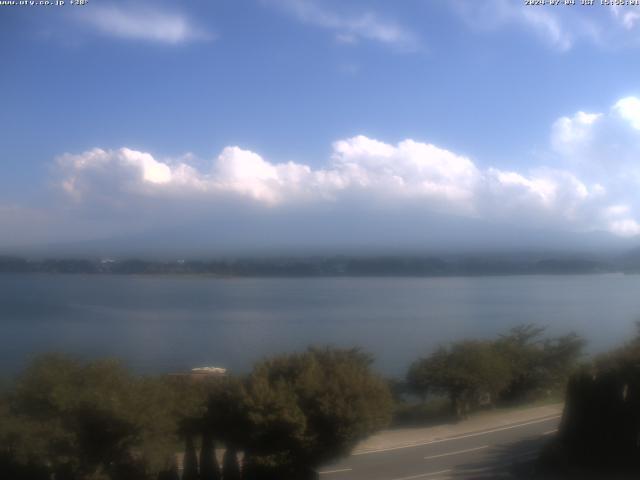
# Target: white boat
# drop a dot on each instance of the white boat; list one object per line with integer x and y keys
{"x": 210, "y": 370}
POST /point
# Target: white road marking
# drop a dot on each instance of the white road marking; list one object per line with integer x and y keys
{"x": 327, "y": 472}
{"x": 456, "y": 453}
{"x": 550, "y": 432}
{"x": 423, "y": 475}
{"x": 459, "y": 437}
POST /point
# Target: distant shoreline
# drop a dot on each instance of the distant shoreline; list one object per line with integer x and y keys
{"x": 231, "y": 277}
{"x": 328, "y": 267}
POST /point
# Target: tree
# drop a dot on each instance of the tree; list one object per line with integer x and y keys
{"x": 169, "y": 474}
{"x": 230, "y": 466}
{"x": 560, "y": 359}
{"x": 225, "y": 419}
{"x": 624, "y": 358}
{"x": 75, "y": 416}
{"x": 600, "y": 426}
{"x": 517, "y": 365}
{"x": 209, "y": 468}
{"x": 305, "y": 409}
{"x": 91, "y": 420}
{"x": 538, "y": 364}
{"x": 468, "y": 372}
{"x": 190, "y": 462}
{"x": 523, "y": 349}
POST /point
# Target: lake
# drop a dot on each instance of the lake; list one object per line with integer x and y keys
{"x": 173, "y": 323}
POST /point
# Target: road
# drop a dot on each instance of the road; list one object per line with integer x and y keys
{"x": 485, "y": 454}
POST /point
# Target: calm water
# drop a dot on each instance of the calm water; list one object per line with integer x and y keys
{"x": 172, "y": 323}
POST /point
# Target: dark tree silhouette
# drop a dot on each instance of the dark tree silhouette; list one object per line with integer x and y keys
{"x": 600, "y": 427}
{"x": 171, "y": 474}
{"x": 231, "y": 467}
{"x": 209, "y": 468}
{"x": 190, "y": 462}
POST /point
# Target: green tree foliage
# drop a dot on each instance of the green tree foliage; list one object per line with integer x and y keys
{"x": 627, "y": 357}
{"x": 225, "y": 418}
{"x": 468, "y": 372}
{"x": 305, "y": 409}
{"x": 74, "y": 417}
{"x": 516, "y": 366}
{"x": 95, "y": 421}
{"x": 90, "y": 420}
{"x": 537, "y": 364}
{"x": 522, "y": 347}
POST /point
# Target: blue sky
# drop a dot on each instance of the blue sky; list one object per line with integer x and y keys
{"x": 118, "y": 111}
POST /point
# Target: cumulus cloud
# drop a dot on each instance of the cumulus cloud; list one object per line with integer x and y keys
{"x": 349, "y": 28}
{"x": 366, "y": 189}
{"x": 142, "y": 23}
{"x": 362, "y": 172}
{"x": 604, "y": 147}
{"x": 629, "y": 109}
{"x": 408, "y": 170}
{"x": 603, "y": 144}
{"x": 570, "y": 132}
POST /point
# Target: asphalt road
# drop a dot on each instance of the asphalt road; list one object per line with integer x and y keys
{"x": 488, "y": 454}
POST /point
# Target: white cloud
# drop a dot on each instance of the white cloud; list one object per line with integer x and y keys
{"x": 349, "y": 28}
{"x": 569, "y": 132}
{"x": 605, "y": 147}
{"x": 558, "y": 28}
{"x": 627, "y": 17}
{"x": 620, "y": 220}
{"x": 625, "y": 228}
{"x": 142, "y": 23}
{"x": 130, "y": 168}
{"x": 601, "y": 145}
{"x": 545, "y": 23}
{"x": 408, "y": 176}
{"x": 359, "y": 164}
{"x": 629, "y": 109}
{"x": 588, "y": 183}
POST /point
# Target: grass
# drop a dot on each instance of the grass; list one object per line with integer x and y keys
{"x": 438, "y": 410}
{"x": 431, "y": 412}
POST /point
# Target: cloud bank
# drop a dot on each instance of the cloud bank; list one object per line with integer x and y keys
{"x": 589, "y": 184}
{"x": 366, "y": 187}
{"x": 361, "y": 173}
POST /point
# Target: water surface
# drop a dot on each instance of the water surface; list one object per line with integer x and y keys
{"x": 166, "y": 323}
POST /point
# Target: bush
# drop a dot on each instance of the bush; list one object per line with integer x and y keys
{"x": 305, "y": 409}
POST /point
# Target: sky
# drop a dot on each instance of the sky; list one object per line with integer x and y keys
{"x": 316, "y": 124}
